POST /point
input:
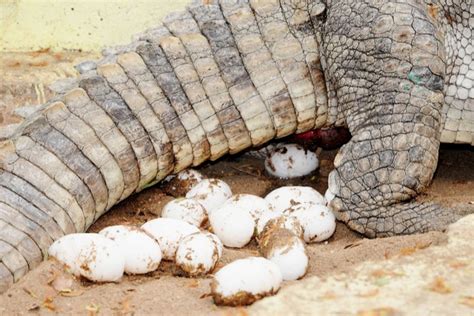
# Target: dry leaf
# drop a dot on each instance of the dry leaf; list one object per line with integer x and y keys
{"x": 30, "y": 292}
{"x": 62, "y": 283}
{"x": 369, "y": 293}
{"x": 193, "y": 283}
{"x": 328, "y": 296}
{"x": 71, "y": 293}
{"x": 468, "y": 301}
{"x": 382, "y": 311}
{"x": 439, "y": 286}
{"x": 458, "y": 264}
{"x": 48, "y": 303}
{"x": 125, "y": 304}
{"x": 93, "y": 309}
{"x": 407, "y": 251}
{"x": 385, "y": 273}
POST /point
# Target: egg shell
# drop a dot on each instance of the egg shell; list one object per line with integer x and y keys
{"x": 187, "y": 210}
{"x": 318, "y": 221}
{"x": 168, "y": 232}
{"x": 233, "y": 225}
{"x": 286, "y": 197}
{"x": 217, "y": 242}
{"x": 178, "y": 185}
{"x": 291, "y": 161}
{"x": 197, "y": 254}
{"x": 91, "y": 256}
{"x": 142, "y": 253}
{"x": 287, "y": 251}
{"x": 281, "y": 222}
{"x": 254, "y": 204}
{"x": 245, "y": 281}
{"x": 210, "y": 193}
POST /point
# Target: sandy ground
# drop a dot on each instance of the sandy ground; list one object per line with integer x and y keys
{"x": 48, "y": 290}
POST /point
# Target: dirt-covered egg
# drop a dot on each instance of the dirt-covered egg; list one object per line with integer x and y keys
{"x": 197, "y": 254}
{"x": 291, "y": 161}
{"x": 264, "y": 219}
{"x": 318, "y": 221}
{"x": 178, "y": 185}
{"x": 233, "y": 225}
{"x": 254, "y": 204}
{"x": 169, "y": 232}
{"x": 281, "y": 222}
{"x": 286, "y": 197}
{"x": 187, "y": 210}
{"x": 211, "y": 193}
{"x": 142, "y": 252}
{"x": 245, "y": 281}
{"x": 287, "y": 251}
{"x": 91, "y": 256}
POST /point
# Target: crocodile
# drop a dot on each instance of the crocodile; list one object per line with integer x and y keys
{"x": 222, "y": 76}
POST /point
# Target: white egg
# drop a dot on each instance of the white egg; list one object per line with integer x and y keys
{"x": 245, "y": 281}
{"x": 254, "y": 204}
{"x": 318, "y": 221}
{"x": 92, "y": 256}
{"x": 281, "y": 222}
{"x": 197, "y": 254}
{"x": 211, "y": 193}
{"x": 142, "y": 252}
{"x": 291, "y": 161}
{"x": 233, "y": 225}
{"x": 168, "y": 232}
{"x": 287, "y": 251}
{"x": 284, "y": 198}
{"x": 187, "y": 210}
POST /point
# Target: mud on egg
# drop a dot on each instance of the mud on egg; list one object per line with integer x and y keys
{"x": 245, "y": 281}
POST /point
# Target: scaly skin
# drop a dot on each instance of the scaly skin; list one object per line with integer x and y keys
{"x": 224, "y": 76}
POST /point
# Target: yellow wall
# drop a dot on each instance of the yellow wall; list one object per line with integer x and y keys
{"x": 84, "y": 24}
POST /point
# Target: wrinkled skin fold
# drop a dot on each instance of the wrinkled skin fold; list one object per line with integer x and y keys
{"x": 223, "y": 76}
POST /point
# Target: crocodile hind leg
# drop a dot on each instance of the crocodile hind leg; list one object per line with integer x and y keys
{"x": 386, "y": 65}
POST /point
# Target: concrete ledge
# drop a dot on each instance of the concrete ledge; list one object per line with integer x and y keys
{"x": 435, "y": 281}
{"x": 89, "y": 25}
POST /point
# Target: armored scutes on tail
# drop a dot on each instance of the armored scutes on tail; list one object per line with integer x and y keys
{"x": 226, "y": 75}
